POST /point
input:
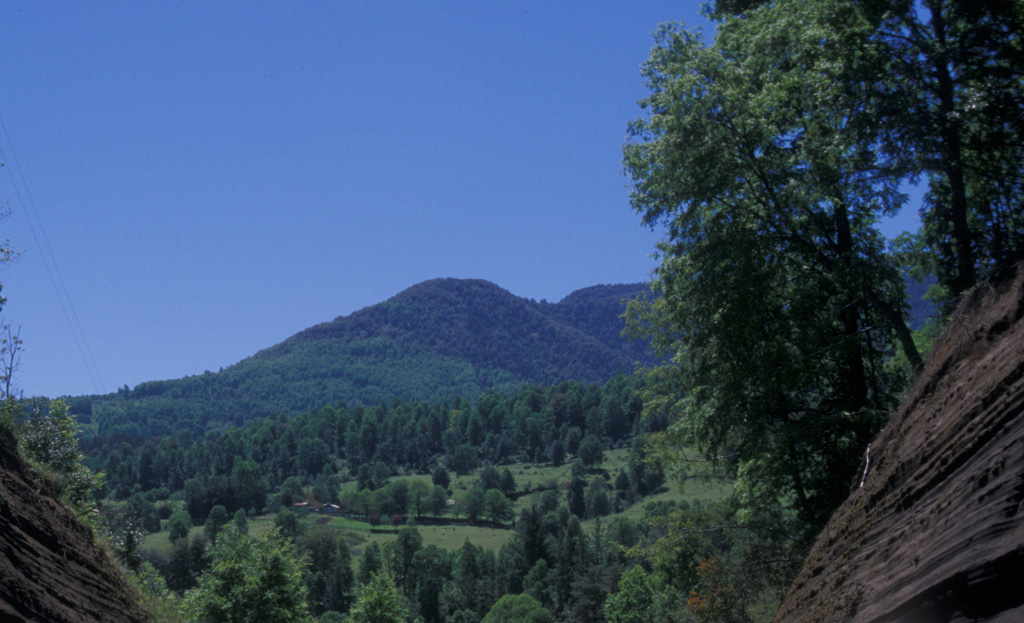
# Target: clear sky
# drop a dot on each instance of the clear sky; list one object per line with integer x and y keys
{"x": 213, "y": 177}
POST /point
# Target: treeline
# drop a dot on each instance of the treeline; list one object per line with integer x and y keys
{"x": 533, "y": 424}
{"x": 362, "y": 372}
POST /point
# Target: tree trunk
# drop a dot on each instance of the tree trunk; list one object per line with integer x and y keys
{"x": 951, "y": 151}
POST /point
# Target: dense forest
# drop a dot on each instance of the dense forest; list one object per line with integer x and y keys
{"x": 362, "y": 462}
{"x": 536, "y": 424}
{"x": 302, "y": 481}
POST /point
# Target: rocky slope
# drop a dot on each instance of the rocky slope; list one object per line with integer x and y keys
{"x": 933, "y": 531}
{"x": 50, "y": 569}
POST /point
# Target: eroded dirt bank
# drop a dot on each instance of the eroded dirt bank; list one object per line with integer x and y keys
{"x": 936, "y": 531}
{"x": 50, "y": 570}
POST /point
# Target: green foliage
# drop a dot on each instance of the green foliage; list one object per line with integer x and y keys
{"x": 438, "y": 501}
{"x": 516, "y": 609}
{"x": 634, "y": 601}
{"x": 155, "y": 598}
{"x": 178, "y": 526}
{"x": 122, "y": 528}
{"x": 255, "y": 579}
{"x": 496, "y": 506}
{"x": 379, "y": 601}
{"x": 234, "y": 467}
{"x": 596, "y": 498}
{"x": 591, "y": 451}
{"x": 769, "y": 156}
{"x": 441, "y": 478}
{"x": 410, "y": 437}
{"x": 433, "y": 567}
{"x": 463, "y": 460}
{"x": 778, "y": 302}
{"x": 370, "y": 564}
{"x": 954, "y": 114}
{"x": 215, "y": 523}
{"x": 290, "y": 492}
{"x": 406, "y": 546}
{"x": 48, "y": 439}
{"x": 287, "y": 524}
{"x": 538, "y": 583}
{"x": 329, "y": 578}
{"x": 472, "y": 505}
{"x": 325, "y": 488}
{"x": 241, "y": 522}
{"x": 248, "y": 485}
{"x": 186, "y": 560}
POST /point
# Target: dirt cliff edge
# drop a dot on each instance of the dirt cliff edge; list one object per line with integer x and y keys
{"x": 50, "y": 569}
{"x": 933, "y": 530}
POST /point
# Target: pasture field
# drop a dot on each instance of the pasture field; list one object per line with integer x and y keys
{"x": 530, "y": 477}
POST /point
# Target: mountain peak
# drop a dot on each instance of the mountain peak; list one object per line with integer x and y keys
{"x": 435, "y": 340}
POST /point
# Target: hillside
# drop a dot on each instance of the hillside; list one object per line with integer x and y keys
{"x": 578, "y": 338}
{"x": 434, "y": 341}
{"x": 934, "y": 529}
{"x": 50, "y": 569}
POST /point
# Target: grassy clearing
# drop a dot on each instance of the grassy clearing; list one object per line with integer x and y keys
{"x": 528, "y": 477}
{"x": 703, "y": 490}
{"x": 161, "y": 541}
{"x": 448, "y": 538}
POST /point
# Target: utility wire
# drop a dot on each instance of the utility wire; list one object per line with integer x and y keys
{"x": 77, "y": 333}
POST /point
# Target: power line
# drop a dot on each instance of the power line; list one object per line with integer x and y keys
{"x": 46, "y": 252}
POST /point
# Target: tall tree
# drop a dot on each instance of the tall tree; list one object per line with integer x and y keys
{"x": 778, "y": 302}
{"x": 634, "y": 601}
{"x": 432, "y": 566}
{"x": 372, "y": 562}
{"x": 256, "y": 579}
{"x": 497, "y": 506}
{"x": 949, "y": 85}
{"x": 329, "y": 578}
{"x": 248, "y": 485}
{"x": 379, "y": 602}
{"x": 408, "y": 543}
{"x": 178, "y": 526}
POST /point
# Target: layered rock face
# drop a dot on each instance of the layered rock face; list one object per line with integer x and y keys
{"x": 933, "y": 530}
{"x": 50, "y": 569}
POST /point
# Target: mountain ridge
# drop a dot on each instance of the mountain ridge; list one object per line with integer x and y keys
{"x": 480, "y": 308}
{"x": 436, "y": 340}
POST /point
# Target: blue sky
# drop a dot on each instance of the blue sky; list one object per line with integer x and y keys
{"x": 212, "y": 177}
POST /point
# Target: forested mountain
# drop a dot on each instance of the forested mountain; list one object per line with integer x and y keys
{"x": 434, "y": 341}
{"x": 578, "y": 338}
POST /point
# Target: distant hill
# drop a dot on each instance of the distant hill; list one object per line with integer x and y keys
{"x": 434, "y": 341}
